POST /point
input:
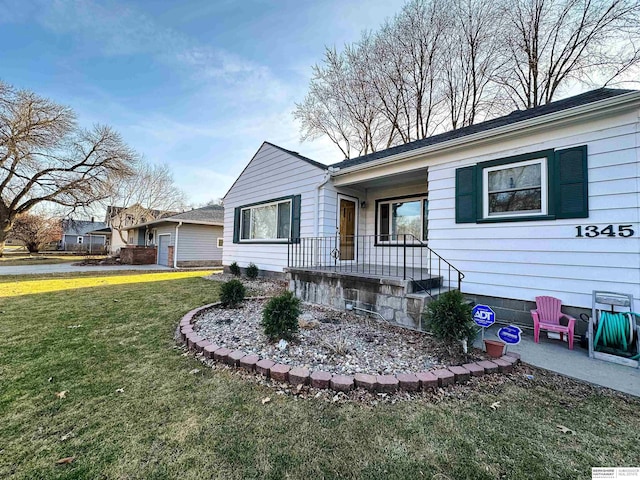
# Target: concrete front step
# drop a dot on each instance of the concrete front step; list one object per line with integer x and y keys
{"x": 424, "y": 284}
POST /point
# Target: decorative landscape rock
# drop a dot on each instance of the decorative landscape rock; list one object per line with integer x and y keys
{"x": 329, "y": 340}
{"x": 302, "y": 375}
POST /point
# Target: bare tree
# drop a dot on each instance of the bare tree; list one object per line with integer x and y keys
{"x": 551, "y": 43}
{"x": 473, "y": 42}
{"x": 446, "y": 64}
{"x": 150, "y": 193}
{"x": 339, "y": 105}
{"x": 36, "y": 230}
{"x": 415, "y": 38}
{"x": 46, "y": 157}
{"x": 382, "y": 90}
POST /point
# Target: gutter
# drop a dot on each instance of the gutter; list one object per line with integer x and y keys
{"x": 620, "y": 101}
{"x": 327, "y": 177}
{"x": 175, "y": 247}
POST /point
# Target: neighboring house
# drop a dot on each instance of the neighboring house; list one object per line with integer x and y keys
{"x": 539, "y": 202}
{"x": 187, "y": 239}
{"x": 81, "y": 236}
{"x": 119, "y": 219}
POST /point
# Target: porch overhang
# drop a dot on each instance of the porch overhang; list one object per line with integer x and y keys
{"x": 391, "y": 175}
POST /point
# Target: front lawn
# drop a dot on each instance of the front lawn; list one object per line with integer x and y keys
{"x": 11, "y": 259}
{"x": 166, "y": 423}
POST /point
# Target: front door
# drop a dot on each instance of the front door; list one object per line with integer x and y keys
{"x": 347, "y": 229}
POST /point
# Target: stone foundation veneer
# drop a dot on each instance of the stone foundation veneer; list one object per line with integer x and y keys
{"x": 391, "y": 298}
{"x": 410, "y": 382}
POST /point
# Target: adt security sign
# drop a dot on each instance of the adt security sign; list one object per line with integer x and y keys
{"x": 483, "y": 316}
{"x": 510, "y": 334}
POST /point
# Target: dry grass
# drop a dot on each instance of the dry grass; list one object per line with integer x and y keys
{"x": 171, "y": 424}
{"x": 19, "y": 259}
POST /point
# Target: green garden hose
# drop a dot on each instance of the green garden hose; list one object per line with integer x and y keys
{"x": 615, "y": 330}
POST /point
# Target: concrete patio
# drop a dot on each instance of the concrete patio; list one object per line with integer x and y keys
{"x": 555, "y": 356}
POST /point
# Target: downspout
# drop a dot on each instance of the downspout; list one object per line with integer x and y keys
{"x": 175, "y": 247}
{"x": 316, "y": 230}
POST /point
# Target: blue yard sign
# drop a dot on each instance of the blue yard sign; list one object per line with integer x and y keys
{"x": 510, "y": 335}
{"x": 483, "y": 316}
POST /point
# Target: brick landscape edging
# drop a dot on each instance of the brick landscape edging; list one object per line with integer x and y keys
{"x": 411, "y": 382}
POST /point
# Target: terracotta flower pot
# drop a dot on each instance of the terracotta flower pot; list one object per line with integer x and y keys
{"x": 494, "y": 348}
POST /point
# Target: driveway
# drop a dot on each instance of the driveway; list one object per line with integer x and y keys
{"x": 70, "y": 268}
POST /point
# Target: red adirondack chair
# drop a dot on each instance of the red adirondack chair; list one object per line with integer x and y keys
{"x": 547, "y": 316}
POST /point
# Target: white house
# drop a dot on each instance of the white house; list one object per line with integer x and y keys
{"x": 544, "y": 201}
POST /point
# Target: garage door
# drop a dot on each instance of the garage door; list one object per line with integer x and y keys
{"x": 163, "y": 249}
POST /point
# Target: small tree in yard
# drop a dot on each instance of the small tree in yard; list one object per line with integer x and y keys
{"x": 232, "y": 293}
{"x": 36, "y": 231}
{"x": 235, "y": 269}
{"x": 252, "y": 271}
{"x": 449, "y": 318}
{"x": 280, "y": 317}
{"x": 46, "y": 157}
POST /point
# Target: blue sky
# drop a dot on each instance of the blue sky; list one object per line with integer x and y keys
{"x": 195, "y": 84}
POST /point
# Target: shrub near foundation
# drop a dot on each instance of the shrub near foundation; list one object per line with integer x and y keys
{"x": 449, "y": 318}
{"x": 235, "y": 269}
{"x": 252, "y": 271}
{"x": 280, "y": 317}
{"x": 232, "y": 293}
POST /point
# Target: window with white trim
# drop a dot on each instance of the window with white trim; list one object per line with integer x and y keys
{"x": 398, "y": 219}
{"x": 80, "y": 240}
{"x": 269, "y": 221}
{"x": 220, "y": 241}
{"x": 515, "y": 189}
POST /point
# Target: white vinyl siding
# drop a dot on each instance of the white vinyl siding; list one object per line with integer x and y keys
{"x": 524, "y": 259}
{"x": 271, "y": 174}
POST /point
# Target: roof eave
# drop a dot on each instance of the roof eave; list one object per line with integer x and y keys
{"x": 175, "y": 220}
{"x": 618, "y": 101}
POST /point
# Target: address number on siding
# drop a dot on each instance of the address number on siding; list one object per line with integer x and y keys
{"x": 608, "y": 231}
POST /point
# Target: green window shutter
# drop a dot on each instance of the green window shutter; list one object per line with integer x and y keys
{"x": 466, "y": 198}
{"x": 570, "y": 183}
{"x": 236, "y": 225}
{"x": 295, "y": 218}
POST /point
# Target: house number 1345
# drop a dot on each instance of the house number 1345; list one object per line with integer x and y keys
{"x": 608, "y": 231}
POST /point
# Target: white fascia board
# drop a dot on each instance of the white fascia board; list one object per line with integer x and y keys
{"x": 612, "y": 105}
{"x": 172, "y": 220}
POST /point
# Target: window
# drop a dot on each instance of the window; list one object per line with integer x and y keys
{"x": 80, "y": 240}
{"x": 545, "y": 185}
{"x": 515, "y": 189}
{"x": 220, "y": 242}
{"x": 271, "y": 221}
{"x": 402, "y": 216}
